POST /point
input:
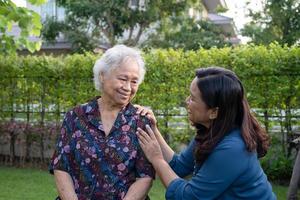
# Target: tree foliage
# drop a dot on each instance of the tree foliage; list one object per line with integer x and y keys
{"x": 108, "y": 21}
{"x": 279, "y": 22}
{"x": 188, "y": 33}
{"x": 27, "y": 20}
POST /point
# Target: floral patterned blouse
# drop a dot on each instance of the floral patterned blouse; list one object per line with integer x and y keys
{"x": 101, "y": 167}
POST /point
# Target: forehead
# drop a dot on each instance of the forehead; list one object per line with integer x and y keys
{"x": 194, "y": 90}
{"x": 128, "y": 67}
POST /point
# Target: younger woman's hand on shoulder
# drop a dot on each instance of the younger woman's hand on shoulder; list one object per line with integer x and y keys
{"x": 149, "y": 144}
{"x": 144, "y": 111}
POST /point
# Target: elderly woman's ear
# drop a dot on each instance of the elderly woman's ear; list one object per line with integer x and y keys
{"x": 101, "y": 77}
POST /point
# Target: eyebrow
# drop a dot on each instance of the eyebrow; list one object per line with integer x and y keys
{"x": 126, "y": 76}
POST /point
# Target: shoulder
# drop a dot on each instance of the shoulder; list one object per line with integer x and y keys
{"x": 82, "y": 109}
{"x": 141, "y": 121}
{"x": 231, "y": 155}
{"x": 233, "y": 148}
{"x": 232, "y": 141}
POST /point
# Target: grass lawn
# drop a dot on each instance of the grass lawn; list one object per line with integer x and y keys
{"x": 34, "y": 184}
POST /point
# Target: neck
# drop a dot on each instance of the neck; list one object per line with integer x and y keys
{"x": 106, "y": 104}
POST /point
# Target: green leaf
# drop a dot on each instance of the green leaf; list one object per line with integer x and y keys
{"x": 38, "y": 45}
{"x": 35, "y": 32}
{"x": 9, "y": 26}
{"x": 31, "y": 46}
{"x": 37, "y": 2}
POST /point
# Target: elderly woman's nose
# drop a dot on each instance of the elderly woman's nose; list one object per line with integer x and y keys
{"x": 127, "y": 85}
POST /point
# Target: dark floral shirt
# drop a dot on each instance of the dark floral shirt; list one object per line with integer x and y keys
{"x": 101, "y": 167}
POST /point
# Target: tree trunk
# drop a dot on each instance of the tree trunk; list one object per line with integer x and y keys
{"x": 12, "y": 148}
{"x": 293, "y": 187}
{"x": 266, "y": 122}
{"x": 42, "y": 123}
{"x": 138, "y": 36}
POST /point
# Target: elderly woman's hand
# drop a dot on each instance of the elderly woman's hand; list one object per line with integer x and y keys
{"x": 144, "y": 111}
{"x": 149, "y": 144}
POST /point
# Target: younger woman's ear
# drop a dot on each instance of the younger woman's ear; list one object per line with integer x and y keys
{"x": 214, "y": 113}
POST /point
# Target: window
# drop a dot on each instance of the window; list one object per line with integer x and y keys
{"x": 50, "y": 9}
{"x": 137, "y": 4}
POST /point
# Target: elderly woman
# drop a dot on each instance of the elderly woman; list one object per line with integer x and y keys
{"x": 97, "y": 154}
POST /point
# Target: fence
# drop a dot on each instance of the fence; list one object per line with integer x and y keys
{"x": 37, "y": 91}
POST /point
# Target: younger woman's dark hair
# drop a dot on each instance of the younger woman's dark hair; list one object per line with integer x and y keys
{"x": 221, "y": 88}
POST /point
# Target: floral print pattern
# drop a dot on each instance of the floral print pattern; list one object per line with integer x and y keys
{"x": 101, "y": 167}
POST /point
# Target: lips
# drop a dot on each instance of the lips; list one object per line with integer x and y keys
{"x": 124, "y": 94}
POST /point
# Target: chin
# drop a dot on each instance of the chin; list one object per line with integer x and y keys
{"x": 124, "y": 101}
{"x": 191, "y": 122}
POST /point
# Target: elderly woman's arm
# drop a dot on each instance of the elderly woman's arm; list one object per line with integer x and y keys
{"x": 65, "y": 186}
{"x": 167, "y": 151}
{"x": 139, "y": 189}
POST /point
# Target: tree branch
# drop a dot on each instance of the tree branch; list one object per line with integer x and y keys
{"x": 138, "y": 36}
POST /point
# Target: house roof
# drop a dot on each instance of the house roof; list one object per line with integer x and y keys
{"x": 211, "y": 5}
{"x": 226, "y": 23}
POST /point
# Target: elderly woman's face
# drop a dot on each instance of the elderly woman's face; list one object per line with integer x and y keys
{"x": 121, "y": 84}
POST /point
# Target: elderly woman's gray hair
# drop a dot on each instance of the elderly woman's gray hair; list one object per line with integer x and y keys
{"x": 113, "y": 58}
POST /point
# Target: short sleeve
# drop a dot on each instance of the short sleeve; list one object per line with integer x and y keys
{"x": 143, "y": 167}
{"x": 61, "y": 156}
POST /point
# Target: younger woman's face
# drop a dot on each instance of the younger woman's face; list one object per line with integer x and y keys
{"x": 198, "y": 111}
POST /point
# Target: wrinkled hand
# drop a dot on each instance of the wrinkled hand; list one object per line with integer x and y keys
{"x": 144, "y": 111}
{"x": 149, "y": 144}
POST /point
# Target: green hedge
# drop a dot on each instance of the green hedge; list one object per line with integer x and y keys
{"x": 55, "y": 84}
{"x": 40, "y": 88}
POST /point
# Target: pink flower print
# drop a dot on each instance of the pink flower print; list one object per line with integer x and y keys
{"x": 121, "y": 167}
{"x": 78, "y": 133}
{"x": 67, "y": 149}
{"x": 55, "y": 161}
{"x": 123, "y": 119}
{"x": 91, "y": 151}
{"x": 122, "y": 195}
{"x": 92, "y": 131}
{"x": 125, "y": 128}
{"x": 63, "y": 131}
{"x": 100, "y": 127}
{"x": 87, "y": 160}
{"x": 125, "y": 139}
{"x": 125, "y": 149}
{"x": 88, "y": 109}
{"x": 60, "y": 144}
{"x": 94, "y": 155}
{"x": 133, "y": 154}
{"x": 77, "y": 146}
{"x": 76, "y": 184}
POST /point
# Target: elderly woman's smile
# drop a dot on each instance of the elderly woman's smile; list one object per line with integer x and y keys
{"x": 121, "y": 84}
